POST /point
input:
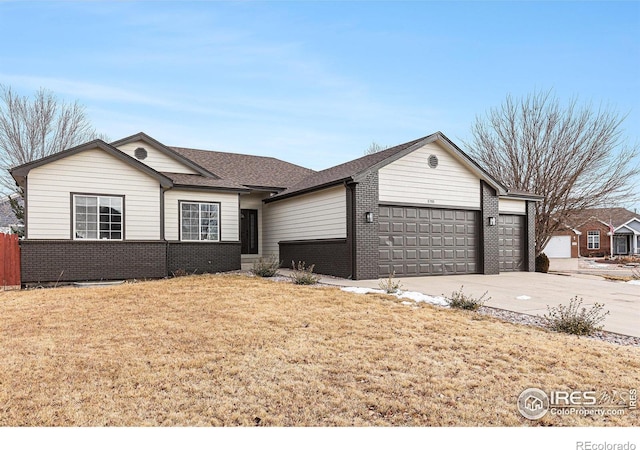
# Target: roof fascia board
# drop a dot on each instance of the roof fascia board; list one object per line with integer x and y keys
{"x": 167, "y": 151}
{"x": 191, "y": 187}
{"x": 23, "y": 170}
{"x": 529, "y": 197}
{"x": 307, "y": 190}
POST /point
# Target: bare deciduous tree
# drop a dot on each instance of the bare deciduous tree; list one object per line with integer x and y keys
{"x": 34, "y": 128}
{"x": 575, "y": 156}
{"x": 375, "y": 148}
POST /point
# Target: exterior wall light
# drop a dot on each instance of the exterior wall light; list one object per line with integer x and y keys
{"x": 368, "y": 217}
{"x": 492, "y": 221}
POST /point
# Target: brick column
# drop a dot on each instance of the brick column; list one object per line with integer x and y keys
{"x": 531, "y": 237}
{"x": 366, "y": 234}
{"x": 490, "y": 263}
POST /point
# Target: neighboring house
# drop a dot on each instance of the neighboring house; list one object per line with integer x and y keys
{"x": 8, "y": 220}
{"x": 593, "y": 232}
{"x": 136, "y": 208}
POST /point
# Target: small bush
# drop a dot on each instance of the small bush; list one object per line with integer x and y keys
{"x": 302, "y": 274}
{"x": 542, "y": 263}
{"x": 266, "y": 267}
{"x": 575, "y": 320}
{"x": 460, "y": 300}
{"x": 390, "y": 286}
{"x": 179, "y": 273}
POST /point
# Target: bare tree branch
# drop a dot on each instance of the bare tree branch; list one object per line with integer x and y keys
{"x": 575, "y": 156}
{"x": 31, "y": 129}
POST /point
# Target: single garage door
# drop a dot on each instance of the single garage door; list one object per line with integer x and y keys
{"x": 558, "y": 247}
{"x": 427, "y": 241}
{"x": 511, "y": 230}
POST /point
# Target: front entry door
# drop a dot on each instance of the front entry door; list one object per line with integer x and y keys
{"x": 249, "y": 231}
{"x": 620, "y": 245}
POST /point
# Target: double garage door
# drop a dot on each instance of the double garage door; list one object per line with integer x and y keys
{"x": 427, "y": 241}
{"x": 430, "y": 241}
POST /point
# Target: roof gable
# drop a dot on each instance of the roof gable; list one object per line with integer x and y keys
{"x": 164, "y": 150}
{"x": 359, "y": 168}
{"x": 19, "y": 173}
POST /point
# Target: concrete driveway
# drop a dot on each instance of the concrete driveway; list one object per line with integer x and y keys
{"x": 530, "y": 293}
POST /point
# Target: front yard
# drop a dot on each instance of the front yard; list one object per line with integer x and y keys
{"x": 234, "y": 350}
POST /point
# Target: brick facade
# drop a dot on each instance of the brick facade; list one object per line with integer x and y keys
{"x": 604, "y": 247}
{"x": 330, "y": 256}
{"x": 203, "y": 257}
{"x": 489, "y": 251}
{"x": 366, "y": 234}
{"x": 66, "y": 260}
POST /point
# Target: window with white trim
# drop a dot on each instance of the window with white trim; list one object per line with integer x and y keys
{"x": 199, "y": 221}
{"x": 97, "y": 217}
{"x": 593, "y": 240}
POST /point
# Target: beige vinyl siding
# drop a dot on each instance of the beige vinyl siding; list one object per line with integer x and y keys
{"x": 156, "y": 159}
{"x": 411, "y": 180}
{"x": 92, "y": 172}
{"x": 318, "y": 215}
{"x": 229, "y": 212}
{"x": 509, "y": 205}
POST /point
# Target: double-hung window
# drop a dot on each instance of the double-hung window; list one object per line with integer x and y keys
{"x": 97, "y": 217}
{"x": 199, "y": 221}
{"x": 593, "y": 240}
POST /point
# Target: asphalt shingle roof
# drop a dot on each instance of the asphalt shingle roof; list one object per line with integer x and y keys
{"x": 617, "y": 216}
{"x": 247, "y": 170}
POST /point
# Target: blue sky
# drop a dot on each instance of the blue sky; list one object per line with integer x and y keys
{"x": 315, "y": 83}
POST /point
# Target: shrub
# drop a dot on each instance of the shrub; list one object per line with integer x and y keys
{"x": 390, "y": 286}
{"x": 460, "y": 300}
{"x": 302, "y": 274}
{"x": 266, "y": 267}
{"x": 542, "y": 263}
{"x": 179, "y": 273}
{"x": 575, "y": 320}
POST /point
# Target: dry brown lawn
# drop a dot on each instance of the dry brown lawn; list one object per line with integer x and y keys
{"x": 234, "y": 350}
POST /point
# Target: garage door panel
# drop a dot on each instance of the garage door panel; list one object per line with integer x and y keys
{"x": 511, "y": 238}
{"x": 558, "y": 247}
{"x": 423, "y": 241}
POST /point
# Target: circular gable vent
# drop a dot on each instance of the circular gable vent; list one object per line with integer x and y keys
{"x": 140, "y": 153}
{"x": 433, "y": 161}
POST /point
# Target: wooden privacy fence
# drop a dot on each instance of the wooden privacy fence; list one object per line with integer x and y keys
{"x": 9, "y": 261}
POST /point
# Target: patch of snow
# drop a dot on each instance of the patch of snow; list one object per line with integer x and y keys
{"x": 408, "y": 303}
{"x": 362, "y": 290}
{"x": 419, "y": 297}
{"x": 415, "y": 296}
{"x": 636, "y": 282}
{"x": 523, "y": 297}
